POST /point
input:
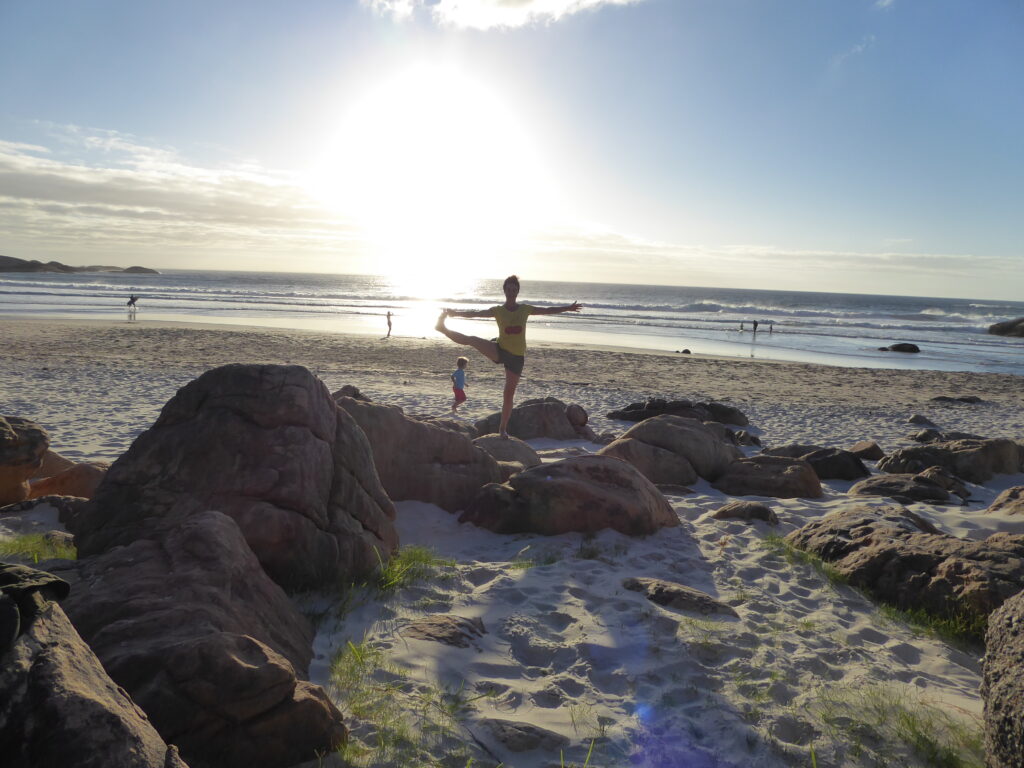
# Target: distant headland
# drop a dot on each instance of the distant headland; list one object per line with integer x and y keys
{"x": 11, "y": 264}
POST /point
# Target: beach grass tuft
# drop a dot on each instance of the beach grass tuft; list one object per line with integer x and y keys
{"x": 883, "y": 722}
{"x": 36, "y": 547}
{"x": 958, "y": 628}
{"x": 795, "y": 556}
{"x": 396, "y": 720}
{"x": 409, "y": 565}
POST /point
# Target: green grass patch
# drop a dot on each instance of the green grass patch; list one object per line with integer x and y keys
{"x": 887, "y": 724}
{"x": 36, "y": 547}
{"x": 394, "y": 720}
{"x": 794, "y": 556}
{"x": 958, "y": 628}
{"x": 410, "y": 565}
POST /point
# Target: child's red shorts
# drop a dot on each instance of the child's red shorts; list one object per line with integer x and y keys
{"x": 460, "y": 395}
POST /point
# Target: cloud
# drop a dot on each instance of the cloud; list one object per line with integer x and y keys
{"x": 866, "y": 42}
{"x": 884, "y": 3}
{"x": 488, "y": 14}
{"x": 100, "y": 192}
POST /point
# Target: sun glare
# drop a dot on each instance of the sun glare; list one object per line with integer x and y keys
{"x": 440, "y": 172}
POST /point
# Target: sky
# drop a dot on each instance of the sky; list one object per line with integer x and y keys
{"x": 862, "y": 146}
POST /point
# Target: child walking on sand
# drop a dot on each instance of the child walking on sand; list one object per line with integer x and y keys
{"x": 459, "y": 383}
{"x": 509, "y": 349}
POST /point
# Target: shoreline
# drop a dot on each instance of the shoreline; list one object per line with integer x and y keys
{"x": 68, "y": 373}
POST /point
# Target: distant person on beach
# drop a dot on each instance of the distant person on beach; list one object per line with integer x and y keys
{"x": 389, "y": 326}
{"x": 509, "y": 349}
{"x": 771, "y": 326}
{"x": 741, "y": 325}
{"x": 755, "y": 326}
{"x": 132, "y": 299}
{"x": 459, "y": 382}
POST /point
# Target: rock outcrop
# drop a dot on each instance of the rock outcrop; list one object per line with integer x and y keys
{"x": 901, "y": 558}
{"x": 546, "y": 417}
{"x": 186, "y": 620}
{"x": 80, "y": 480}
{"x": 973, "y": 460}
{"x": 267, "y": 446}
{"x": 58, "y": 707}
{"x": 512, "y": 454}
{"x": 827, "y": 463}
{"x": 902, "y": 346}
{"x": 23, "y": 444}
{"x": 711, "y": 411}
{"x": 1008, "y": 328}
{"x": 746, "y": 510}
{"x": 674, "y": 595}
{"x": 904, "y": 488}
{"x": 422, "y": 461}
{"x": 1009, "y": 502}
{"x": 675, "y": 450}
{"x": 868, "y": 450}
{"x": 584, "y": 494}
{"x": 775, "y": 476}
{"x": 1002, "y": 686}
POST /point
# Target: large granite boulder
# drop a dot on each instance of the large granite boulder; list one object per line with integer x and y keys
{"x": 267, "y": 446}
{"x": 422, "y": 461}
{"x": 531, "y": 419}
{"x": 973, "y": 460}
{"x": 584, "y": 494}
{"x": 711, "y": 411}
{"x": 23, "y": 445}
{"x": 1009, "y": 502}
{"x": 1008, "y": 328}
{"x": 659, "y": 465}
{"x": 188, "y": 623}
{"x": 508, "y": 449}
{"x": 828, "y": 463}
{"x": 1002, "y": 686}
{"x": 689, "y": 439}
{"x": 776, "y": 476}
{"x": 904, "y": 488}
{"x": 867, "y": 449}
{"x": 901, "y": 558}
{"x": 58, "y": 707}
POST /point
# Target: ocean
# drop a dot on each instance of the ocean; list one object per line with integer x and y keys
{"x": 829, "y": 328}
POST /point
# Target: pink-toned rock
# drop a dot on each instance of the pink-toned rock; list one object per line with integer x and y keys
{"x": 422, "y": 461}
{"x": 532, "y": 419}
{"x": 868, "y": 450}
{"x": 660, "y": 466}
{"x": 23, "y": 444}
{"x": 53, "y": 464}
{"x": 688, "y": 438}
{"x": 508, "y": 449}
{"x": 971, "y": 459}
{"x": 79, "y": 480}
{"x": 903, "y": 559}
{"x": 775, "y": 476}
{"x": 186, "y": 620}
{"x": 576, "y": 414}
{"x": 267, "y": 446}
{"x": 585, "y": 494}
{"x": 1009, "y": 502}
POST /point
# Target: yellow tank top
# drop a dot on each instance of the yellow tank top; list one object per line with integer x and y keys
{"x": 512, "y": 327}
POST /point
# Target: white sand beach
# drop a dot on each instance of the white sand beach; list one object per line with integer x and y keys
{"x": 798, "y": 678}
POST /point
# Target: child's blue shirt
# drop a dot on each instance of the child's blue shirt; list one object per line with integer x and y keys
{"x": 459, "y": 378}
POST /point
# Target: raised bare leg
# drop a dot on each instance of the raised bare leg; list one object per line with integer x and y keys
{"x": 485, "y": 347}
{"x": 511, "y": 382}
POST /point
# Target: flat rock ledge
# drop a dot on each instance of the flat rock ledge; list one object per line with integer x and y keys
{"x": 678, "y": 596}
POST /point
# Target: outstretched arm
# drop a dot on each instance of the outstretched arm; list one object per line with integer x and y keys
{"x": 470, "y": 312}
{"x": 574, "y": 307}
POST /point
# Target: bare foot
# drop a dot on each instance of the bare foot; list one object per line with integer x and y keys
{"x": 503, "y": 435}
{"x": 440, "y": 321}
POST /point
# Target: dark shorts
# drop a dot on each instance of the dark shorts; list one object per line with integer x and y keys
{"x": 511, "y": 362}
